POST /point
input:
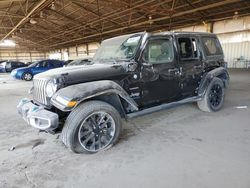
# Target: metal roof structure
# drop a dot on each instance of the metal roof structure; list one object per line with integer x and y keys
{"x": 51, "y": 24}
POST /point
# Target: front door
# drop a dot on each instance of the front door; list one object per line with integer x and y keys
{"x": 41, "y": 67}
{"x": 159, "y": 73}
{"x": 190, "y": 64}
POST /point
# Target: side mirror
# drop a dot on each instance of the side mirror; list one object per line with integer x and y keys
{"x": 148, "y": 73}
{"x": 132, "y": 66}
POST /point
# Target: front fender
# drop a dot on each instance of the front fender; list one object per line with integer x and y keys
{"x": 81, "y": 92}
{"x": 19, "y": 74}
{"x": 220, "y": 72}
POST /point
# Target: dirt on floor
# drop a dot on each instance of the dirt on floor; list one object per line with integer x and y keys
{"x": 180, "y": 147}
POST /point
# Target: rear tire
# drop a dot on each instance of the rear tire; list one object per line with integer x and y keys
{"x": 213, "y": 99}
{"x": 91, "y": 127}
{"x": 27, "y": 76}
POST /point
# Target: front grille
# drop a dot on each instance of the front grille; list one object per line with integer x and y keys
{"x": 39, "y": 94}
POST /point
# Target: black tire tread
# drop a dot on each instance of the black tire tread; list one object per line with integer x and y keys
{"x": 81, "y": 111}
{"x": 203, "y": 104}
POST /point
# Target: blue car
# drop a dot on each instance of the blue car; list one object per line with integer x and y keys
{"x": 27, "y": 73}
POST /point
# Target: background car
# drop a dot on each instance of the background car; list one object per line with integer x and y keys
{"x": 8, "y": 66}
{"x": 27, "y": 73}
{"x": 1, "y": 61}
{"x": 83, "y": 61}
{"x": 68, "y": 61}
{"x": 30, "y": 62}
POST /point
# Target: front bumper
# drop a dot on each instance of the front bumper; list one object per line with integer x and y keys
{"x": 37, "y": 116}
{"x": 15, "y": 74}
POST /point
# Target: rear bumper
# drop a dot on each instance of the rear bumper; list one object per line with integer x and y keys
{"x": 37, "y": 116}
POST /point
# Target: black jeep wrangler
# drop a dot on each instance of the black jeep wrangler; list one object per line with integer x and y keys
{"x": 129, "y": 76}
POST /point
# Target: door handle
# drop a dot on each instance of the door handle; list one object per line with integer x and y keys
{"x": 197, "y": 66}
{"x": 175, "y": 70}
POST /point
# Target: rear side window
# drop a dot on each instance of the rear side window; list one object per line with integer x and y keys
{"x": 42, "y": 64}
{"x": 212, "y": 46}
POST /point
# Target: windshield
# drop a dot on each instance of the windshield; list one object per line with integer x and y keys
{"x": 118, "y": 48}
{"x": 2, "y": 64}
{"x": 33, "y": 64}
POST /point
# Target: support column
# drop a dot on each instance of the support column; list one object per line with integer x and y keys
{"x": 76, "y": 51}
{"x": 209, "y": 27}
{"x": 61, "y": 54}
{"x": 30, "y": 57}
{"x": 87, "y": 49}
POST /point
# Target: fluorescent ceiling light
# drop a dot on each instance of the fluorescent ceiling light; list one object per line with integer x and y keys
{"x": 7, "y": 43}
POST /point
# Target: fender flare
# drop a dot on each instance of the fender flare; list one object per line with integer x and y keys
{"x": 220, "y": 72}
{"x": 85, "y": 91}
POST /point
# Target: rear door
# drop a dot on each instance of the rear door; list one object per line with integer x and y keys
{"x": 190, "y": 64}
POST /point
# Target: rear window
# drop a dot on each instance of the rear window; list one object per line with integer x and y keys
{"x": 212, "y": 46}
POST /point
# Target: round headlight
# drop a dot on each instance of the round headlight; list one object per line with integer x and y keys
{"x": 50, "y": 88}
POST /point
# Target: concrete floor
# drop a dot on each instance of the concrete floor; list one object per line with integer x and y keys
{"x": 180, "y": 147}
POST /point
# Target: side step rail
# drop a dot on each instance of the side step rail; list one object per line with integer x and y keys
{"x": 163, "y": 107}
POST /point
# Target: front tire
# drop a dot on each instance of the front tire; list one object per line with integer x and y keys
{"x": 91, "y": 127}
{"x": 213, "y": 99}
{"x": 27, "y": 76}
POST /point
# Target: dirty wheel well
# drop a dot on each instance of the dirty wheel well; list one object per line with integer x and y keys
{"x": 224, "y": 78}
{"x": 113, "y": 99}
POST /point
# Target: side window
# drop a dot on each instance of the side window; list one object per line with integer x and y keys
{"x": 188, "y": 48}
{"x": 8, "y": 65}
{"x": 13, "y": 64}
{"x": 56, "y": 64}
{"x": 39, "y": 64}
{"x": 212, "y": 46}
{"x": 45, "y": 64}
{"x": 42, "y": 64}
{"x": 16, "y": 64}
{"x": 159, "y": 51}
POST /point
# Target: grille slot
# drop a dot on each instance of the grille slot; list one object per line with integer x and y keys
{"x": 39, "y": 94}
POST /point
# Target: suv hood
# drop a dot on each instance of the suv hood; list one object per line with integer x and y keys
{"x": 83, "y": 73}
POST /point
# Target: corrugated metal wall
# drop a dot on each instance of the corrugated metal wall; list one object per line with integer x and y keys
{"x": 79, "y": 51}
{"x": 234, "y": 35}
{"x": 22, "y": 56}
{"x": 236, "y": 50}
